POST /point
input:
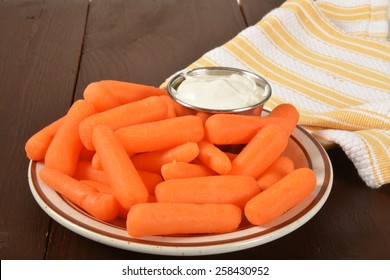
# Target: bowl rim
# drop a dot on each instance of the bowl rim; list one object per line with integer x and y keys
{"x": 179, "y": 77}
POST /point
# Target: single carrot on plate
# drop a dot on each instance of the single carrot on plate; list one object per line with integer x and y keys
{"x": 170, "y": 105}
{"x": 280, "y": 197}
{"x": 100, "y": 97}
{"x": 289, "y": 113}
{"x": 231, "y": 189}
{"x": 153, "y": 161}
{"x": 159, "y": 135}
{"x": 85, "y": 171}
{"x": 145, "y": 110}
{"x": 100, "y": 205}
{"x": 126, "y": 92}
{"x": 37, "y": 145}
{"x": 127, "y": 185}
{"x": 212, "y": 157}
{"x": 150, "y": 179}
{"x": 280, "y": 168}
{"x": 104, "y": 188}
{"x": 64, "y": 150}
{"x": 231, "y": 129}
{"x": 147, "y": 219}
{"x": 203, "y": 115}
{"x": 178, "y": 170}
{"x": 264, "y": 148}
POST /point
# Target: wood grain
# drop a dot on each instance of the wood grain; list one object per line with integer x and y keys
{"x": 49, "y": 52}
{"x": 147, "y": 41}
{"x": 39, "y": 53}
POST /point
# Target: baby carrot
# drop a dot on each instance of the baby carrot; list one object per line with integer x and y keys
{"x": 37, "y": 145}
{"x": 287, "y": 112}
{"x": 64, "y": 149}
{"x": 178, "y": 170}
{"x": 213, "y": 157}
{"x": 85, "y": 171}
{"x": 86, "y": 154}
{"x": 182, "y": 110}
{"x": 146, "y": 219}
{"x": 98, "y": 186}
{"x": 170, "y": 105}
{"x": 280, "y": 168}
{"x": 145, "y": 110}
{"x": 100, "y": 205}
{"x": 95, "y": 162}
{"x": 264, "y": 148}
{"x": 101, "y": 98}
{"x": 124, "y": 179}
{"x": 150, "y": 179}
{"x": 104, "y": 188}
{"x": 152, "y": 161}
{"x": 231, "y": 189}
{"x": 126, "y": 92}
{"x": 203, "y": 115}
{"x": 227, "y": 129}
{"x": 280, "y": 197}
{"x": 159, "y": 135}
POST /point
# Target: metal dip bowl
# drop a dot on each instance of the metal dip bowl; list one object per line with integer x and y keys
{"x": 253, "y": 109}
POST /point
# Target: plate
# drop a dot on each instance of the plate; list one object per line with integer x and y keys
{"x": 303, "y": 149}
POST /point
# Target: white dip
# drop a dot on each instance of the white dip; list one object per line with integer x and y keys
{"x": 219, "y": 92}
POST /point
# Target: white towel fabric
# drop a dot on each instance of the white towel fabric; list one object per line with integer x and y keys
{"x": 330, "y": 59}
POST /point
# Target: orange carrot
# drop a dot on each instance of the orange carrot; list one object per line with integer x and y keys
{"x": 95, "y": 161}
{"x": 230, "y": 189}
{"x": 147, "y": 219}
{"x": 103, "y": 206}
{"x": 280, "y": 168}
{"x": 203, "y": 115}
{"x": 145, "y": 110}
{"x": 280, "y": 197}
{"x": 104, "y": 188}
{"x": 64, "y": 149}
{"x": 85, "y": 171}
{"x": 101, "y": 99}
{"x": 182, "y": 110}
{"x": 177, "y": 170}
{"x": 214, "y": 158}
{"x": 227, "y": 129}
{"x": 100, "y": 205}
{"x": 150, "y": 179}
{"x": 159, "y": 135}
{"x": 98, "y": 186}
{"x": 124, "y": 179}
{"x": 170, "y": 105}
{"x": 126, "y": 92}
{"x": 37, "y": 145}
{"x": 264, "y": 148}
{"x": 231, "y": 155}
{"x": 287, "y": 112}
{"x": 152, "y": 161}
{"x": 86, "y": 154}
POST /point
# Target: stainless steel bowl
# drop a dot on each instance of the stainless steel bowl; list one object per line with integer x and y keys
{"x": 256, "y": 108}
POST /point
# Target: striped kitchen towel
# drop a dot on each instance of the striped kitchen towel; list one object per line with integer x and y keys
{"x": 330, "y": 60}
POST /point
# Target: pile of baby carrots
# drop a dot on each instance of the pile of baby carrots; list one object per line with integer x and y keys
{"x": 129, "y": 151}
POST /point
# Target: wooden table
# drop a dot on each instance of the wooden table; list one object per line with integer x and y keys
{"x": 50, "y": 51}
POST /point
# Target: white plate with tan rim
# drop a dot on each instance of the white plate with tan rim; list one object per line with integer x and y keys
{"x": 303, "y": 149}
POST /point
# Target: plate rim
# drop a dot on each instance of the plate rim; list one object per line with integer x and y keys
{"x": 142, "y": 245}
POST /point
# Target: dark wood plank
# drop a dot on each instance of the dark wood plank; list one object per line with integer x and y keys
{"x": 254, "y": 10}
{"x": 354, "y": 221}
{"x": 143, "y": 42}
{"x": 147, "y": 41}
{"x": 39, "y": 53}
